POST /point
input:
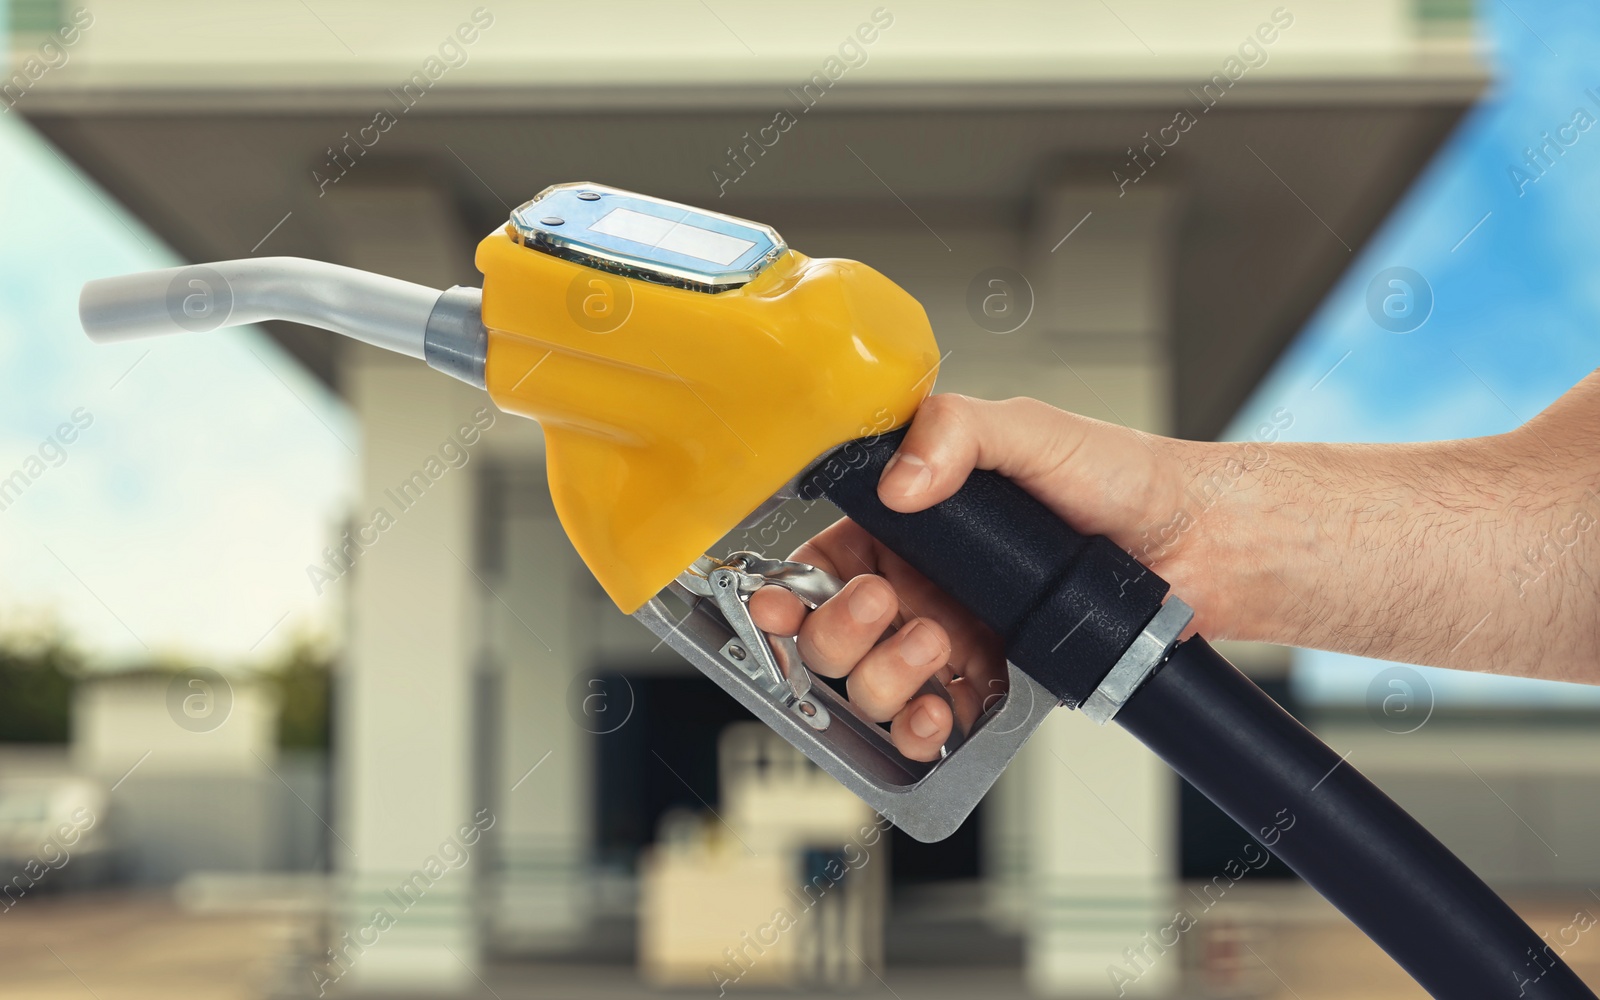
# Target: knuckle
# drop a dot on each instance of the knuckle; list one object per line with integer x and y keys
{"x": 1028, "y": 408}
{"x": 874, "y": 593}
{"x": 943, "y": 408}
{"x": 868, "y": 692}
{"x": 828, "y": 649}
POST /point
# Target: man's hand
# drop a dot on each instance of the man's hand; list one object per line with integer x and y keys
{"x": 1478, "y": 554}
{"x": 1102, "y": 478}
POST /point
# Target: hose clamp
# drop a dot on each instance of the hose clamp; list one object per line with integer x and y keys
{"x": 1139, "y": 661}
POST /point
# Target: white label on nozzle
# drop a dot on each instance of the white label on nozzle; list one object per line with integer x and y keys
{"x": 677, "y": 237}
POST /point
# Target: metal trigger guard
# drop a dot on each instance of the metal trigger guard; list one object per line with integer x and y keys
{"x": 765, "y": 674}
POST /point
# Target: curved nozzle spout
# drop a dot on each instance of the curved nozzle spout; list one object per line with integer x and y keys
{"x": 443, "y": 328}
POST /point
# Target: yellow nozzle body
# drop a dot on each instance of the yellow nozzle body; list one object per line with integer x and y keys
{"x": 669, "y": 415}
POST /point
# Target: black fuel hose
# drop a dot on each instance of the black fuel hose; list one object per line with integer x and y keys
{"x": 1067, "y": 605}
{"x": 1336, "y": 830}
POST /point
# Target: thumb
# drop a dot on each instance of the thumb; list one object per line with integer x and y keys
{"x": 1059, "y": 457}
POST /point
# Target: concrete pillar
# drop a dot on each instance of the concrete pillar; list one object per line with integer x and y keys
{"x": 1103, "y": 859}
{"x": 1006, "y": 817}
{"x": 405, "y": 695}
{"x": 410, "y": 836}
{"x": 540, "y": 646}
{"x": 1101, "y": 810}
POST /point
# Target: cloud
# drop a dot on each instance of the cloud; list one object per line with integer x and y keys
{"x": 213, "y": 470}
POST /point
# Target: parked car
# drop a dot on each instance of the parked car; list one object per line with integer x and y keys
{"x": 53, "y": 834}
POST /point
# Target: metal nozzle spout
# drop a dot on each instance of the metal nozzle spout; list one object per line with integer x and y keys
{"x": 443, "y": 328}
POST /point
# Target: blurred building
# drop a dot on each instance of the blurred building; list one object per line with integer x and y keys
{"x": 1123, "y": 209}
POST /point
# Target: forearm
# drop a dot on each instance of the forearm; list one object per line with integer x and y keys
{"x": 1477, "y": 554}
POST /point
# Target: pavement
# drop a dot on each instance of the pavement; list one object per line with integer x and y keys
{"x": 124, "y": 945}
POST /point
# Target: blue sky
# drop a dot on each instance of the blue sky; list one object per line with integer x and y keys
{"x": 1514, "y": 273}
{"x": 182, "y": 517}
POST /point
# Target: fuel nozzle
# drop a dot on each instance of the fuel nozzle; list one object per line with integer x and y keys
{"x": 443, "y": 328}
{"x": 624, "y": 324}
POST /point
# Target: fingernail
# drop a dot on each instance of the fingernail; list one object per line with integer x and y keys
{"x": 905, "y": 475}
{"x": 920, "y": 646}
{"x": 923, "y": 723}
{"x": 868, "y": 603}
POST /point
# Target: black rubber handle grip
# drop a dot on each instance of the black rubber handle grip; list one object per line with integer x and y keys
{"x": 1066, "y": 605}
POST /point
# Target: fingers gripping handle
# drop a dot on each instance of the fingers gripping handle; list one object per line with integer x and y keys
{"x": 1066, "y": 605}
